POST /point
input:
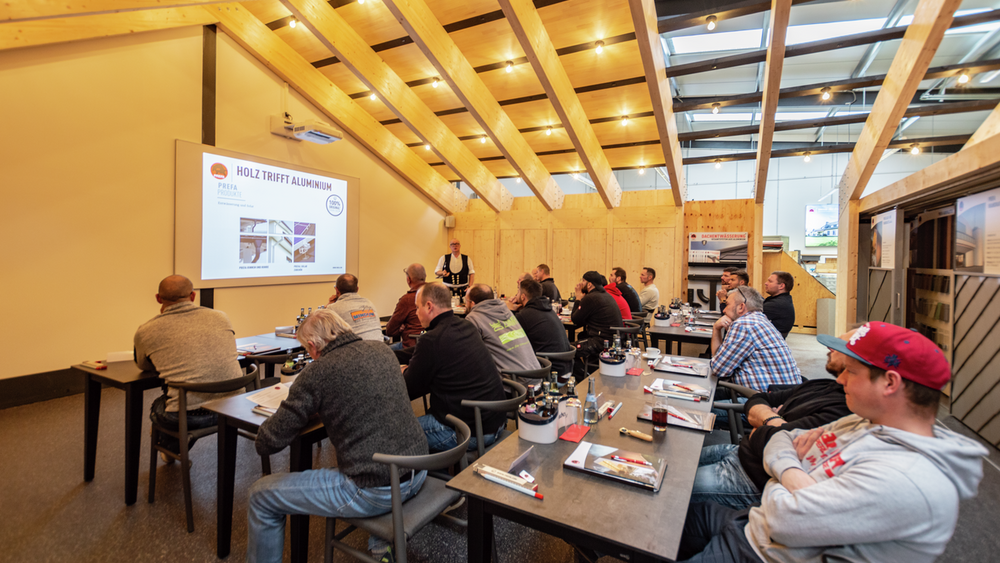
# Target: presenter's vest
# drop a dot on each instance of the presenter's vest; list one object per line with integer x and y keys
{"x": 462, "y": 276}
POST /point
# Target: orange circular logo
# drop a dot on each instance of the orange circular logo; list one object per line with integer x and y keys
{"x": 219, "y": 171}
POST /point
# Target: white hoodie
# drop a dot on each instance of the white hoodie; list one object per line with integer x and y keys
{"x": 881, "y": 495}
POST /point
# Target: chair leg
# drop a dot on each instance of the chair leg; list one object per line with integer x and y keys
{"x": 154, "y": 436}
{"x": 265, "y": 464}
{"x": 186, "y": 479}
{"x": 331, "y": 528}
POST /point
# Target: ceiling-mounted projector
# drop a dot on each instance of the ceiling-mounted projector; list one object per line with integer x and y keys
{"x": 313, "y": 131}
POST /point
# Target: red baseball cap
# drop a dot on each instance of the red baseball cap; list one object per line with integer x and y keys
{"x": 890, "y": 347}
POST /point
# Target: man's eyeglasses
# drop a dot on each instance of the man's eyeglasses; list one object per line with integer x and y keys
{"x": 739, "y": 288}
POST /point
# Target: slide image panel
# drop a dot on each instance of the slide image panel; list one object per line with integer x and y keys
{"x": 279, "y": 250}
{"x": 280, "y": 227}
{"x": 305, "y": 229}
{"x": 251, "y": 248}
{"x": 305, "y": 249}
{"x": 248, "y": 225}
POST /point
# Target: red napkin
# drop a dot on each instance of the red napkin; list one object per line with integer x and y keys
{"x": 634, "y": 371}
{"x": 574, "y": 433}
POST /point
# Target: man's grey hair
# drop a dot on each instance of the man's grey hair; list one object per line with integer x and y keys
{"x": 748, "y": 295}
{"x": 322, "y": 327}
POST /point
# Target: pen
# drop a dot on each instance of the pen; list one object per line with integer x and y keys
{"x": 684, "y": 386}
{"x": 614, "y": 411}
{"x": 636, "y": 461}
{"x": 677, "y": 396}
{"x": 680, "y": 417}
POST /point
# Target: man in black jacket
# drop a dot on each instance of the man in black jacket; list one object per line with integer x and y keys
{"x": 451, "y": 363}
{"x": 629, "y": 293}
{"x": 779, "y": 307}
{"x": 597, "y": 312}
{"x": 544, "y": 329}
{"x": 543, "y": 275}
{"x": 734, "y": 476}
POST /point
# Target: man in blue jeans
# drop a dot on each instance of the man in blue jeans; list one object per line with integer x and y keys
{"x": 452, "y": 363}
{"x": 355, "y": 387}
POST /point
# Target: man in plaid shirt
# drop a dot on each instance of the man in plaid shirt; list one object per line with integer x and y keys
{"x": 752, "y": 353}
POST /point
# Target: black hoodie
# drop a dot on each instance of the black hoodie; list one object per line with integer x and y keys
{"x": 545, "y": 331}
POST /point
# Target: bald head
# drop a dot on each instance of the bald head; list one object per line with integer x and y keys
{"x": 415, "y": 274}
{"x": 174, "y": 289}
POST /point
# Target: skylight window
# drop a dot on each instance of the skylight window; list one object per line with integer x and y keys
{"x": 798, "y": 115}
{"x": 727, "y": 41}
{"x": 820, "y": 31}
{"x": 981, "y": 28}
{"x": 717, "y": 117}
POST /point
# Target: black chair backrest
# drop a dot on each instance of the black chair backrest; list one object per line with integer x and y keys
{"x": 520, "y": 392}
{"x": 269, "y": 358}
{"x": 563, "y": 356}
{"x": 220, "y": 386}
{"x": 627, "y": 329}
{"x": 540, "y": 373}
{"x": 440, "y": 460}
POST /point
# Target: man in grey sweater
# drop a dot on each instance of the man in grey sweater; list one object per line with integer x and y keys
{"x": 502, "y": 333}
{"x": 356, "y": 388}
{"x": 882, "y": 484}
{"x": 354, "y": 309}
{"x": 186, "y": 344}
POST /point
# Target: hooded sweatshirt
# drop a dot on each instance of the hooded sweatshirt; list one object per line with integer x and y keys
{"x": 545, "y": 331}
{"x": 613, "y": 290}
{"x": 503, "y": 336}
{"x": 881, "y": 495}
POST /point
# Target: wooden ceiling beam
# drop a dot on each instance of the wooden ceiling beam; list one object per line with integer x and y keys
{"x": 14, "y": 35}
{"x": 654, "y": 65}
{"x": 923, "y": 36}
{"x": 987, "y": 129}
{"x": 780, "y": 12}
{"x": 48, "y": 9}
{"x": 813, "y": 47}
{"x": 331, "y": 29}
{"x": 535, "y": 41}
{"x": 280, "y": 58}
{"x": 441, "y": 50}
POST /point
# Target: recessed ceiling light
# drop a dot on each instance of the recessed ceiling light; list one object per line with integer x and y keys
{"x": 711, "y": 22}
{"x": 599, "y": 47}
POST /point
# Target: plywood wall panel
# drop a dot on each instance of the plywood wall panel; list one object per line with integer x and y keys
{"x": 627, "y": 252}
{"x": 484, "y": 255}
{"x": 658, "y": 253}
{"x": 565, "y": 266}
{"x": 593, "y": 250}
{"x": 511, "y": 259}
{"x": 536, "y": 248}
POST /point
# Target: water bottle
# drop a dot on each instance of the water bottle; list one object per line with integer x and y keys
{"x": 590, "y": 407}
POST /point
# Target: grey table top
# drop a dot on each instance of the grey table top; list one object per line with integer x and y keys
{"x": 269, "y": 339}
{"x": 631, "y": 517}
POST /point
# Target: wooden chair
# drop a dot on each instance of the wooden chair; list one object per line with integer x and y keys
{"x": 405, "y": 519}
{"x": 250, "y": 381}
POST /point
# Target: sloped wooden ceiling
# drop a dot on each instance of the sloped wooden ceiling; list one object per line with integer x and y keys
{"x": 477, "y": 90}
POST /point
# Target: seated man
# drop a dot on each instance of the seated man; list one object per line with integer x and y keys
{"x": 649, "y": 296}
{"x": 882, "y": 484}
{"x": 543, "y": 275}
{"x": 451, "y": 363}
{"x": 733, "y": 475}
{"x": 500, "y": 330}
{"x": 737, "y": 278}
{"x": 544, "y": 329}
{"x": 724, "y": 285}
{"x": 596, "y": 312}
{"x": 404, "y": 322}
{"x": 779, "y": 307}
{"x": 355, "y": 310}
{"x": 623, "y": 306}
{"x": 752, "y": 354}
{"x": 516, "y": 301}
{"x": 629, "y": 293}
{"x": 355, "y": 387}
{"x": 186, "y": 344}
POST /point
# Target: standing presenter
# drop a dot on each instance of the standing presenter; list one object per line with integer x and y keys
{"x": 455, "y": 269}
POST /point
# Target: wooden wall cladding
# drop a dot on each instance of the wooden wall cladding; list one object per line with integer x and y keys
{"x": 976, "y": 368}
{"x": 583, "y": 235}
{"x": 724, "y": 216}
{"x": 806, "y": 292}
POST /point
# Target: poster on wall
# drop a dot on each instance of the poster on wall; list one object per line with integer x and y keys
{"x": 717, "y": 248}
{"x": 977, "y": 233}
{"x": 821, "y": 225}
{"x": 884, "y": 240}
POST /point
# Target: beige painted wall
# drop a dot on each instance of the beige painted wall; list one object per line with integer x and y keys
{"x": 87, "y": 184}
{"x": 584, "y": 235}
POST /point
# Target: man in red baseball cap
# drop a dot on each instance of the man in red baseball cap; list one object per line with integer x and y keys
{"x": 882, "y": 484}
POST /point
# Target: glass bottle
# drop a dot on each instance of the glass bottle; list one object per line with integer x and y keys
{"x": 590, "y": 406}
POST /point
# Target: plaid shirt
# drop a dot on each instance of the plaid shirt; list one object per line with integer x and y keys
{"x": 754, "y": 355}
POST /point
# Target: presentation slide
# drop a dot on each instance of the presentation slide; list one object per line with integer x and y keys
{"x": 263, "y": 221}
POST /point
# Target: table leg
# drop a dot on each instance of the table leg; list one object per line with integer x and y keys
{"x": 91, "y": 420}
{"x": 225, "y": 483}
{"x": 133, "y": 441}
{"x": 480, "y": 532}
{"x": 300, "y": 459}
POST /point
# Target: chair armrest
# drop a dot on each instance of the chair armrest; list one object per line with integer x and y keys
{"x": 731, "y": 407}
{"x": 220, "y": 386}
{"x": 745, "y": 391}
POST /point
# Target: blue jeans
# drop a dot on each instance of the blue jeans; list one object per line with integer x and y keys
{"x": 720, "y": 478}
{"x": 396, "y": 345}
{"x": 714, "y": 534}
{"x": 196, "y": 419}
{"x": 320, "y": 492}
{"x": 441, "y": 437}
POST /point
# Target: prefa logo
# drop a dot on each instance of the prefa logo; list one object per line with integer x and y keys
{"x": 219, "y": 171}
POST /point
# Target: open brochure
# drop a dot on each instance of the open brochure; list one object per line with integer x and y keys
{"x": 682, "y": 417}
{"x": 271, "y": 397}
{"x": 672, "y": 386}
{"x": 641, "y": 470}
{"x": 683, "y": 365}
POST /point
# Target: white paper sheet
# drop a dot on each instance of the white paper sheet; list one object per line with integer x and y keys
{"x": 271, "y": 397}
